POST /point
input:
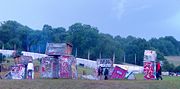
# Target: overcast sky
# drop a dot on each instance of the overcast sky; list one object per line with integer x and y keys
{"x": 139, "y": 18}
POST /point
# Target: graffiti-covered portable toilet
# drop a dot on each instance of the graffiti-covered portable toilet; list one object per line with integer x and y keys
{"x": 59, "y": 63}
{"x": 150, "y": 65}
{"x": 19, "y": 69}
{"x": 118, "y": 73}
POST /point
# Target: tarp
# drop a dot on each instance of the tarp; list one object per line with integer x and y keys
{"x": 130, "y": 76}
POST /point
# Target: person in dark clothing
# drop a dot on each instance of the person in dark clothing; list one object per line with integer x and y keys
{"x": 158, "y": 71}
{"x": 100, "y": 72}
{"x": 106, "y": 73}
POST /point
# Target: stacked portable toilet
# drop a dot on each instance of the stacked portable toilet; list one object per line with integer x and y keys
{"x": 150, "y": 65}
{"x": 59, "y": 63}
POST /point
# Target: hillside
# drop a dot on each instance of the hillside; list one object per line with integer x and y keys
{"x": 173, "y": 59}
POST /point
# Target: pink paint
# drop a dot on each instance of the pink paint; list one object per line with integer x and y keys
{"x": 149, "y": 71}
{"x": 17, "y": 72}
{"x": 118, "y": 73}
{"x": 64, "y": 68}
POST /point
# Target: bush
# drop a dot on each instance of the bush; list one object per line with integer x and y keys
{"x": 177, "y": 69}
{"x": 168, "y": 66}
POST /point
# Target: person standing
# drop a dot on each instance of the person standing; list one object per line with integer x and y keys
{"x": 100, "y": 72}
{"x": 30, "y": 70}
{"x": 106, "y": 73}
{"x": 158, "y": 71}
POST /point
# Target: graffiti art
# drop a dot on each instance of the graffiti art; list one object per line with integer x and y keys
{"x": 118, "y": 73}
{"x": 17, "y": 71}
{"x": 65, "y": 70}
{"x": 46, "y": 67}
{"x": 149, "y": 64}
{"x": 149, "y": 70}
{"x": 62, "y": 67}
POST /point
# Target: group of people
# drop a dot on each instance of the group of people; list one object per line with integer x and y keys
{"x": 101, "y": 73}
{"x": 106, "y": 72}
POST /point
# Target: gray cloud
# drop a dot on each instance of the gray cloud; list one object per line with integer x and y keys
{"x": 122, "y": 7}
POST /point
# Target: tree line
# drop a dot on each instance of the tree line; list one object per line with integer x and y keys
{"x": 85, "y": 39}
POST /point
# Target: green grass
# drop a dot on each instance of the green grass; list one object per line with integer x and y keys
{"x": 168, "y": 82}
{"x": 89, "y": 84}
{"x": 165, "y": 78}
{"x": 86, "y": 70}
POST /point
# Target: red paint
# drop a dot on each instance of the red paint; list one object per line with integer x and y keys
{"x": 149, "y": 71}
{"x": 118, "y": 73}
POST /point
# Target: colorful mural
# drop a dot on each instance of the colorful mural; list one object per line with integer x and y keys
{"x": 74, "y": 69}
{"x": 62, "y": 67}
{"x": 149, "y": 70}
{"x": 118, "y": 73}
{"x": 149, "y": 65}
{"x": 46, "y": 67}
{"x": 18, "y": 71}
{"x": 150, "y": 55}
{"x": 68, "y": 68}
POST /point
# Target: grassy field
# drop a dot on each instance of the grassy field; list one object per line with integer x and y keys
{"x": 165, "y": 78}
{"x": 173, "y": 59}
{"x": 167, "y": 83}
{"x": 85, "y": 70}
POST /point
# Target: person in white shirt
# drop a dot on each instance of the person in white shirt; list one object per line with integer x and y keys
{"x": 30, "y": 70}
